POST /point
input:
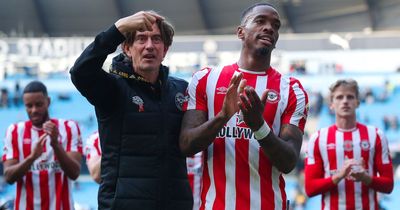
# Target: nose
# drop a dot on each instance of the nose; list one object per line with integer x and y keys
{"x": 268, "y": 27}
{"x": 149, "y": 43}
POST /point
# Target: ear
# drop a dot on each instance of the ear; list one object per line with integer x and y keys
{"x": 240, "y": 32}
{"x": 125, "y": 48}
{"x": 165, "y": 51}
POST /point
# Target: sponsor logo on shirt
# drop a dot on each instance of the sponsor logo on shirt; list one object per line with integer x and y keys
{"x": 330, "y": 146}
{"x": 222, "y": 90}
{"x": 27, "y": 141}
{"x": 235, "y": 132}
{"x": 46, "y": 166}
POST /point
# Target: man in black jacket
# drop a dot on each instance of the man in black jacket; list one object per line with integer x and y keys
{"x": 139, "y": 111}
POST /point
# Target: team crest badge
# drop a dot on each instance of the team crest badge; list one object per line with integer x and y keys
{"x": 347, "y": 145}
{"x": 273, "y": 96}
{"x": 138, "y": 101}
{"x": 179, "y": 100}
{"x": 364, "y": 144}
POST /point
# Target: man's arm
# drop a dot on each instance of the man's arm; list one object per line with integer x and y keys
{"x": 94, "y": 166}
{"x": 283, "y": 150}
{"x": 197, "y": 133}
{"x": 15, "y": 170}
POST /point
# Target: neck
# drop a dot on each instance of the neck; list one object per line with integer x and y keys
{"x": 150, "y": 76}
{"x": 254, "y": 62}
{"x": 346, "y": 123}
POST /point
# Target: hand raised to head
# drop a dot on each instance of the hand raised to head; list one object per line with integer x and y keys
{"x": 140, "y": 21}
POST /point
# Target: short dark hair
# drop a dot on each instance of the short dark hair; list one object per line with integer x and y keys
{"x": 166, "y": 30}
{"x": 344, "y": 82}
{"x": 34, "y": 87}
{"x": 250, "y": 8}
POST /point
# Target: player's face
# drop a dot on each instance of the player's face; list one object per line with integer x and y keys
{"x": 260, "y": 29}
{"x": 148, "y": 50}
{"x": 36, "y": 105}
{"x": 344, "y": 102}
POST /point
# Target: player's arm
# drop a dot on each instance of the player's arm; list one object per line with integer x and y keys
{"x": 283, "y": 150}
{"x": 15, "y": 170}
{"x": 70, "y": 162}
{"x": 383, "y": 182}
{"x": 94, "y": 166}
{"x": 197, "y": 132}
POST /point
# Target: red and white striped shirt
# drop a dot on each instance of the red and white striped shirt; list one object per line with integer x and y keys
{"x": 44, "y": 186}
{"x": 327, "y": 151}
{"x": 237, "y": 174}
{"x": 194, "y": 169}
{"x": 92, "y": 146}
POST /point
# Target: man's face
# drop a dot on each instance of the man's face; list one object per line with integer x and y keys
{"x": 259, "y": 31}
{"x": 344, "y": 101}
{"x": 36, "y": 105}
{"x": 147, "y": 51}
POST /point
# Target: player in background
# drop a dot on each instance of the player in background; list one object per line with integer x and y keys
{"x": 348, "y": 162}
{"x": 42, "y": 155}
{"x": 93, "y": 156}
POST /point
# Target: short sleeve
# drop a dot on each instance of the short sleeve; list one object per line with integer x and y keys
{"x": 196, "y": 92}
{"x": 10, "y": 147}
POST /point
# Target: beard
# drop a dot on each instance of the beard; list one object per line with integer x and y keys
{"x": 264, "y": 51}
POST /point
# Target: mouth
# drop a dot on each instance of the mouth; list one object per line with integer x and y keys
{"x": 149, "y": 56}
{"x": 266, "y": 39}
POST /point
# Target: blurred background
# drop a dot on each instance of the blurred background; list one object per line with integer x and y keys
{"x": 320, "y": 42}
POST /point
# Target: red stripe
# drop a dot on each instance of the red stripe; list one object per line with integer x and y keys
{"x": 65, "y": 194}
{"x": 206, "y": 181}
{"x": 365, "y": 155}
{"x": 332, "y": 166}
{"x": 29, "y": 190}
{"x": 79, "y": 149}
{"x": 219, "y": 173}
{"x": 242, "y": 177}
{"x": 14, "y": 142}
{"x": 18, "y": 194}
{"x": 266, "y": 191}
{"x": 58, "y": 182}
{"x": 69, "y": 136}
{"x": 27, "y": 139}
{"x": 349, "y": 184}
{"x": 55, "y": 121}
{"x": 44, "y": 189}
{"x": 282, "y": 189}
{"x": 96, "y": 145}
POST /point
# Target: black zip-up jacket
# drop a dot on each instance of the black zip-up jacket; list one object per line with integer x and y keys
{"x": 139, "y": 124}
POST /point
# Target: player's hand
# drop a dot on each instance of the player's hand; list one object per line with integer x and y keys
{"x": 358, "y": 172}
{"x": 38, "y": 149}
{"x": 345, "y": 171}
{"x": 230, "y": 104}
{"x": 140, "y": 21}
{"x": 51, "y": 129}
{"x": 252, "y": 107}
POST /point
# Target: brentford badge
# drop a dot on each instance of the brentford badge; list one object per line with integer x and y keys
{"x": 138, "y": 101}
{"x": 273, "y": 96}
{"x": 179, "y": 100}
{"x": 364, "y": 144}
